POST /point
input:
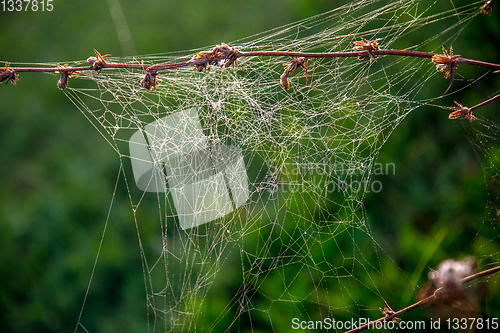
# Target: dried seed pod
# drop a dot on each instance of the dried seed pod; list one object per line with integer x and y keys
{"x": 63, "y": 81}
{"x": 149, "y": 80}
{"x": 284, "y": 80}
{"x": 221, "y": 55}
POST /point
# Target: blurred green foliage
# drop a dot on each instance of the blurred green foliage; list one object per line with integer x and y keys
{"x": 57, "y": 173}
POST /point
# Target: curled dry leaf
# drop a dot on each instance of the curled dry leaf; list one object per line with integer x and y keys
{"x": 291, "y": 66}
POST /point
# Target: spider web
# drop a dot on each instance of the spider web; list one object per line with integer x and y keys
{"x": 242, "y": 180}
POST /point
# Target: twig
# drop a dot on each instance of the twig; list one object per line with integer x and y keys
{"x": 199, "y": 61}
{"x": 485, "y": 102}
{"x": 460, "y": 110}
{"x": 226, "y": 56}
{"x": 193, "y": 62}
{"x": 423, "y": 301}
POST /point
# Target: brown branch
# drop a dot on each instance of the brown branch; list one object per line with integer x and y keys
{"x": 200, "y": 61}
{"x": 353, "y": 54}
{"x": 485, "y": 102}
{"x": 478, "y": 63}
{"x": 459, "y": 110}
{"x": 423, "y": 301}
{"x": 225, "y": 56}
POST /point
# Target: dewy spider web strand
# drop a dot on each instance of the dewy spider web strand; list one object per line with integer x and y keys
{"x": 262, "y": 185}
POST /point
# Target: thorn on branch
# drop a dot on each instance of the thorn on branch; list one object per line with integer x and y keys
{"x": 98, "y": 61}
{"x": 9, "y": 74}
{"x": 149, "y": 80}
{"x": 221, "y": 55}
{"x": 368, "y": 46}
{"x": 446, "y": 63}
{"x": 487, "y": 7}
{"x": 459, "y": 111}
{"x": 291, "y": 66}
{"x": 65, "y": 74}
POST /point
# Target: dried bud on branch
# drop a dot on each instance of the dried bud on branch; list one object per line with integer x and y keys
{"x": 97, "y": 62}
{"x": 91, "y": 60}
{"x": 63, "y": 81}
{"x": 368, "y": 46}
{"x": 387, "y": 311}
{"x": 487, "y": 7}
{"x": 224, "y": 56}
{"x": 9, "y": 74}
{"x": 221, "y": 55}
{"x": 460, "y": 111}
{"x": 446, "y": 63}
{"x": 290, "y": 68}
{"x": 149, "y": 80}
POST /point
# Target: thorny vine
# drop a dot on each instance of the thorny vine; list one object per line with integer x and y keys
{"x": 226, "y": 56}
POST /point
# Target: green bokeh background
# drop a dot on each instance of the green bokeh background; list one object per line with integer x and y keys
{"x": 57, "y": 174}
